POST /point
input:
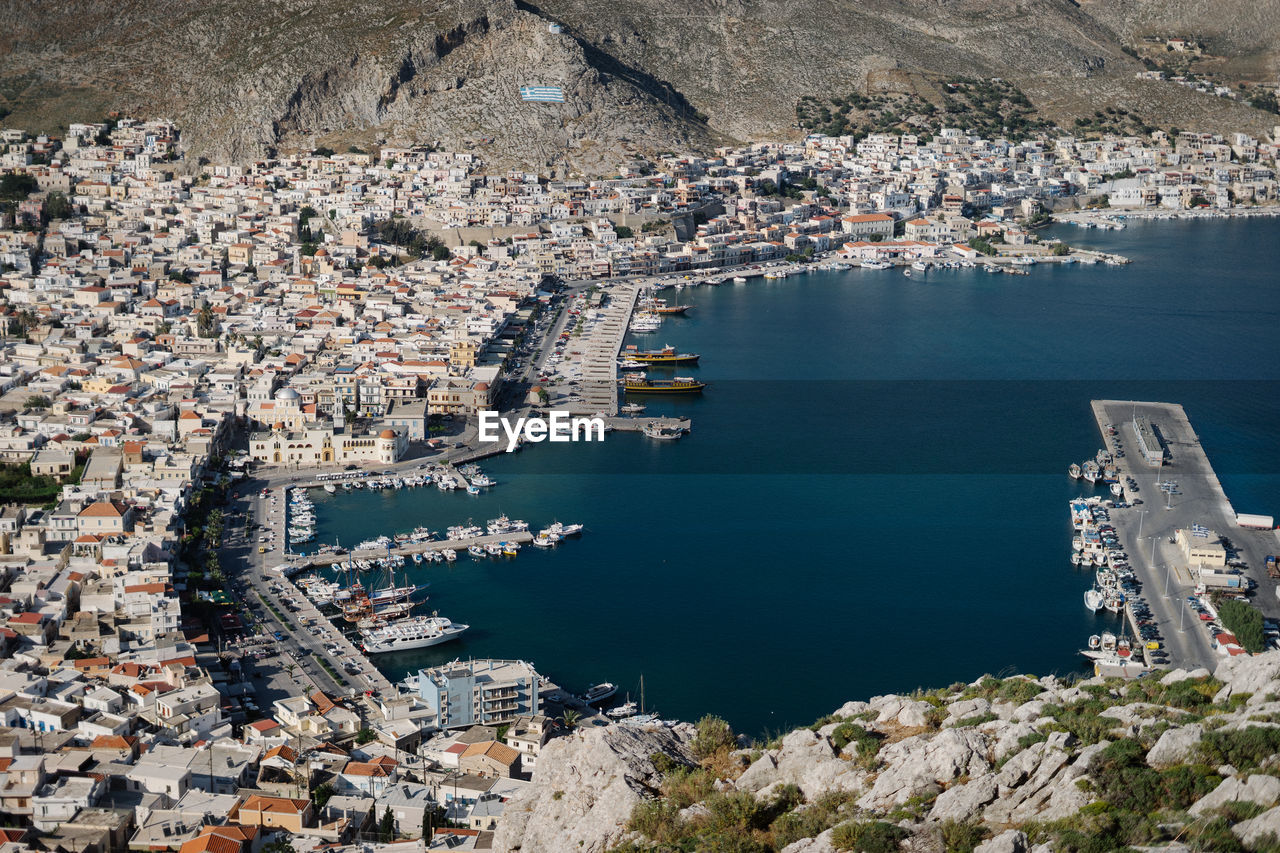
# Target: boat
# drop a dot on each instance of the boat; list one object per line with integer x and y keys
{"x": 666, "y": 355}
{"x": 662, "y": 433}
{"x": 637, "y": 384}
{"x": 1090, "y": 472}
{"x": 449, "y": 554}
{"x": 599, "y": 692}
{"x": 738, "y": 279}
{"x": 1093, "y": 599}
{"x": 418, "y": 632}
{"x": 920, "y": 266}
{"x": 907, "y": 273}
{"x": 626, "y": 709}
{"x": 477, "y": 551}
{"x": 1074, "y": 471}
{"x": 1117, "y": 489}
{"x": 330, "y": 488}
{"x": 875, "y": 265}
{"x": 633, "y": 408}
{"x": 1094, "y": 641}
{"x": 1076, "y": 558}
{"x": 1024, "y": 261}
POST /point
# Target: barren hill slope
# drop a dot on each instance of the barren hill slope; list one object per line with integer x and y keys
{"x": 244, "y": 77}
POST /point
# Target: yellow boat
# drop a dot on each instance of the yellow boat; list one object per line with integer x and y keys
{"x": 666, "y": 355}
{"x": 640, "y": 384}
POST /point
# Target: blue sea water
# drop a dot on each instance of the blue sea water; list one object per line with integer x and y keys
{"x": 873, "y": 496}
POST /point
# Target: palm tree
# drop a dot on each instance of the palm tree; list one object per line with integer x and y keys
{"x": 204, "y": 322}
{"x": 569, "y": 719}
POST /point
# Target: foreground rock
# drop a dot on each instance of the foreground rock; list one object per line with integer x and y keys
{"x": 587, "y": 785}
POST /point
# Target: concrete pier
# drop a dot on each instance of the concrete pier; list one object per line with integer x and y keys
{"x": 1146, "y": 530}
{"x": 598, "y": 387}
{"x": 409, "y": 548}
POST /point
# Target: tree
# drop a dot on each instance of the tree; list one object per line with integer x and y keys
{"x": 624, "y": 232}
{"x": 205, "y": 323}
{"x": 38, "y": 401}
{"x": 281, "y": 845}
{"x": 387, "y": 827}
{"x": 56, "y": 206}
{"x": 1060, "y": 249}
{"x": 570, "y": 718}
{"x": 15, "y": 187}
{"x": 365, "y": 736}
{"x": 321, "y": 794}
{"x": 441, "y": 253}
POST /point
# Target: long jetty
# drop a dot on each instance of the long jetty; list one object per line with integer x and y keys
{"x": 408, "y": 548}
{"x": 599, "y": 387}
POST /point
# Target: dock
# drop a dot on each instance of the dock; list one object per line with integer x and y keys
{"x": 409, "y": 548}
{"x": 1146, "y": 530}
{"x": 599, "y": 384}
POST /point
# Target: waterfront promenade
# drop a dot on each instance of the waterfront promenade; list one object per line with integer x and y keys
{"x": 1146, "y": 530}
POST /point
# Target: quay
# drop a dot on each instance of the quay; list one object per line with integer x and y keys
{"x": 409, "y": 548}
{"x": 599, "y": 383}
{"x": 1147, "y": 531}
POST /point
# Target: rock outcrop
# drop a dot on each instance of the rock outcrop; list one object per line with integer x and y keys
{"x": 984, "y": 755}
{"x": 587, "y": 785}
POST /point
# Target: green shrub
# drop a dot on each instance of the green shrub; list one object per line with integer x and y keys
{"x": 657, "y": 819}
{"x": 869, "y": 837}
{"x": 1019, "y": 690}
{"x": 1244, "y": 749}
{"x": 713, "y": 736}
{"x": 961, "y": 836}
{"x": 867, "y": 743}
{"x": 664, "y": 763}
{"x": 1216, "y": 836}
{"x": 975, "y": 720}
{"x": 819, "y": 816}
{"x": 688, "y": 785}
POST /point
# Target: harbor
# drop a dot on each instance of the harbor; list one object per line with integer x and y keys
{"x": 1170, "y": 499}
{"x": 1004, "y": 513}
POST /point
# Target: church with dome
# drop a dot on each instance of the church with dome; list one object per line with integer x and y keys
{"x": 295, "y": 436}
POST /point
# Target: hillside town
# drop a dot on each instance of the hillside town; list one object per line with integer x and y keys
{"x": 172, "y": 331}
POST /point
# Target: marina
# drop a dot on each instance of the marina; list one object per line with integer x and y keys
{"x": 895, "y": 455}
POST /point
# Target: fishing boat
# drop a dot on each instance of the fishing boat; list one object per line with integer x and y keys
{"x": 449, "y": 554}
{"x": 920, "y": 266}
{"x": 1117, "y": 489}
{"x": 477, "y": 551}
{"x": 875, "y": 265}
{"x": 1095, "y": 641}
{"x": 599, "y": 692}
{"x": 633, "y": 408}
{"x": 1093, "y": 599}
{"x": 738, "y": 279}
{"x": 1074, "y": 471}
{"x": 666, "y": 355}
{"x": 661, "y": 432}
{"x": 330, "y": 488}
{"x": 637, "y": 384}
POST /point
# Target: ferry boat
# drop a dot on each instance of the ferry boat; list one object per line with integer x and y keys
{"x": 599, "y": 692}
{"x": 680, "y": 385}
{"x": 406, "y": 634}
{"x": 666, "y": 355}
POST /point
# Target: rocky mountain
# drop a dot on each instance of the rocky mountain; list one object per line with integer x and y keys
{"x": 244, "y": 77}
{"x": 1005, "y": 765}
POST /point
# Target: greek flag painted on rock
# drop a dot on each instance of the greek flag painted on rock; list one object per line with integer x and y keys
{"x": 543, "y": 94}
